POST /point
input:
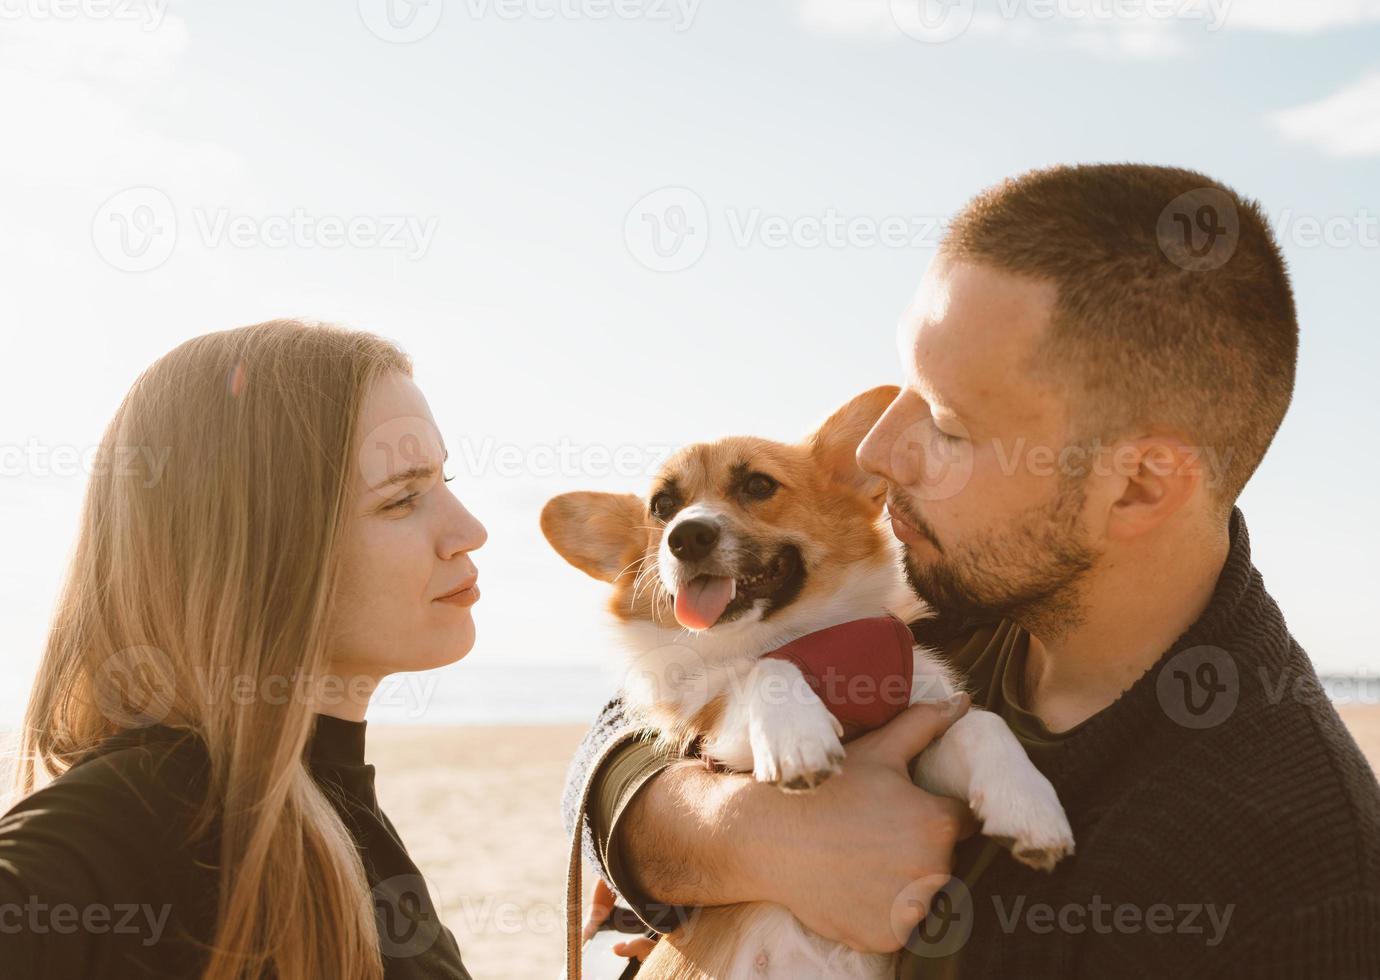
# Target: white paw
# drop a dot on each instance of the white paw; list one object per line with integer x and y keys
{"x": 797, "y": 749}
{"x": 1021, "y": 810}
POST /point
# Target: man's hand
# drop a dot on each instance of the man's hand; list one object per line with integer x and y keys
{"x": 860, "y": 858}
{"x": 600, "y": 907}
{"x": 857, "y": 860}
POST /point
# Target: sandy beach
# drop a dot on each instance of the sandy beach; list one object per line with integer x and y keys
{"x": 479, "y": 807}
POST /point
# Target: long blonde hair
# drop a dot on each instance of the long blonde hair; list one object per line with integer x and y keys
{"x": 207, "y": 554}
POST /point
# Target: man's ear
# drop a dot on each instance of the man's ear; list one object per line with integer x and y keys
{"x": 595, "y": 532}
{"x": 834, "y": 445}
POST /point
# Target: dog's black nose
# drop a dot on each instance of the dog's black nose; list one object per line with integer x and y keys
{"x": 692, "y": 540}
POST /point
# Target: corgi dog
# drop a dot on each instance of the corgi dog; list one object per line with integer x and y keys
{"x": 743, "y": 545}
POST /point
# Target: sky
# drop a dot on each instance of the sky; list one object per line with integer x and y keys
{"x": 604, "y": 228}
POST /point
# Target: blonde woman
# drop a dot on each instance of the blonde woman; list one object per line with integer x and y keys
{"x": 266, "y": 536}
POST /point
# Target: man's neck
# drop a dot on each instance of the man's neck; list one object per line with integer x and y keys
{"x": 1134, "y": 608}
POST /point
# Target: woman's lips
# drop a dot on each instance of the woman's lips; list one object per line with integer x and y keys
{"x": 465, "y": 596}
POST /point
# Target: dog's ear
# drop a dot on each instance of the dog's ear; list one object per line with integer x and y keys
{"x": 595, "y": 532}
{"x": 834, "y": 445}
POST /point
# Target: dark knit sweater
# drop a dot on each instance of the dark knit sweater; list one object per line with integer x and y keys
{"x": 101, "y": 880}
{"x": 1226, "y": 822}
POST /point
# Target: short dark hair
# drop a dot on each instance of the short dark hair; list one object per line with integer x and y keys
{"x": 1174, "y": 305}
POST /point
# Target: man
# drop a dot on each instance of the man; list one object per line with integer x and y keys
{"x": 1096, "y": 362}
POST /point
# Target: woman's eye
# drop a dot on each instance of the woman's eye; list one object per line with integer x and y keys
{"x": 403, "y": 502}
{"x": 760, "y": 485}
{"x": 663, "y": 506}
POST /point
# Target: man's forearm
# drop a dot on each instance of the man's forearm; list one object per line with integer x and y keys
{"x": 687, "y": 834}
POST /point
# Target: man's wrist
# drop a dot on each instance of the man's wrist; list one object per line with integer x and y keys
{"x": 694, "y": 837}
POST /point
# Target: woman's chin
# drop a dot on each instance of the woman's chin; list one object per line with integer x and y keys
{"x": 456, "y": 648}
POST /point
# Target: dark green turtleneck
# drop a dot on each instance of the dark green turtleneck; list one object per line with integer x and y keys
{"x": 101, "y": 878}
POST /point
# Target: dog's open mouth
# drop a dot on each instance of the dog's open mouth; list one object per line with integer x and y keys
{"x": 710, "y": 599}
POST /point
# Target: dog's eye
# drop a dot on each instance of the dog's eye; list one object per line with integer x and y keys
{"x": 760, "y": 485}
{"x": 663, "y": 506}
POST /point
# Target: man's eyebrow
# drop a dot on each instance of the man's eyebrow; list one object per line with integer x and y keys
{"x": 412, "y": 473}
{"x": 951, "y": 407}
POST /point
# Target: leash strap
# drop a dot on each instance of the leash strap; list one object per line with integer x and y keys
{"x": 574, "y": 888}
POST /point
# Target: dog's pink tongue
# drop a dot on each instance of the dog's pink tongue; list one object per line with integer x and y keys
{"x": 701, "y": 602}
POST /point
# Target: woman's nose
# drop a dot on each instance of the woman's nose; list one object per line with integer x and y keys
{"x": 465, "y": 534}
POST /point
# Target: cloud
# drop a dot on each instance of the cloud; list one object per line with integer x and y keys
{"x": 1301, "y": 16}
{"x": 1063, "y": 25}
{"x": 1116, "y": 29}
{"x": 1343, "y": 124}
{"x": 85, "y": 95}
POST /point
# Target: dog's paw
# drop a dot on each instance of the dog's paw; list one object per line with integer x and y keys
{"x": 797, "y": 750}
{"x": 1022, "y": 812}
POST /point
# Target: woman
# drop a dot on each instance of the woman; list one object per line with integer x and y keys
{"x": 266, "y": 536}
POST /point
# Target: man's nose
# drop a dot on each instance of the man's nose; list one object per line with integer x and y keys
{"x": 692, "y": 540}
{"x": 874, "y": 452}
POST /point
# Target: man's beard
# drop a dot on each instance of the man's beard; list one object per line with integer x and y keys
{"x": 1030, "y": 573}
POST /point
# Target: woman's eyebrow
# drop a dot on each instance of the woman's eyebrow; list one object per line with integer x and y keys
{"x": 412, "y": 473}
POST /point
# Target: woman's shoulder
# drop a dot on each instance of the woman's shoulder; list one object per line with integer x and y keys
{"x": 134, "y": 787}
{"x": 109, "y": 841}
